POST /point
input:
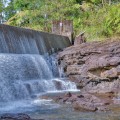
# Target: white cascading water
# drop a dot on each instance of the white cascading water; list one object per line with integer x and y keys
{"x": 24, "y": 73}
{"x": 23, "y": 76}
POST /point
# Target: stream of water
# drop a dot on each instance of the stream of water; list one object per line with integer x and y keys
{"x": 23, "y": 78}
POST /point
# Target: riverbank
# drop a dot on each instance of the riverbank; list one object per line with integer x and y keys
{"x": 95, "y": 68}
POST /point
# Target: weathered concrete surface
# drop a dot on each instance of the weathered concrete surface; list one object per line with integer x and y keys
{"x": 27, "y": 41}
{"x": 95, "y": 66}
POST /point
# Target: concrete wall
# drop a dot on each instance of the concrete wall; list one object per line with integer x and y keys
{"x": 27, "y": 41}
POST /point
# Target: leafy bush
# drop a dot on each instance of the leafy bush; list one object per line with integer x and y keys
{"x": 97, "y": 21}
{"x": 100, "y": 22}
{"x": 111, "y": 23}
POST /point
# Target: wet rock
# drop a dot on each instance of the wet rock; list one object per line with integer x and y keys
{"x": 116, "y": 101}
{"x": 102, "y": 108}
{"x": 81, "y": 81}
{"x": 68, "y": 94}
{"x": 19, "y": 116}
{"x": 58, "y": 85}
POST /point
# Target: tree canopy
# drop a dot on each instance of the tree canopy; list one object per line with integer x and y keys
{"x": 99, "y": 18}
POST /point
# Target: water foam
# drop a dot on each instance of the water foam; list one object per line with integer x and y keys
{"x": 24, "y": 77}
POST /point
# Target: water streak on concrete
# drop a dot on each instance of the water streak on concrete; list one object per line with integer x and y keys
{"x": 27, "y": 41}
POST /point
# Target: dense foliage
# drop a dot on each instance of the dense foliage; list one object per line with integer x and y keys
{"x": 99, "y": 18}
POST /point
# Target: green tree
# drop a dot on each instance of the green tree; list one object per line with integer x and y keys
{"x": 60, "y": 9}
{"x": 10, "y": 10}
{"x": 21, "y": 5}
{"x": 1, "y": 10}
{"x": 87, "y": 15}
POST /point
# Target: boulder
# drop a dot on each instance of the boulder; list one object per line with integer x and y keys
{"x": 84, "y": 102}
{"x": 19, "y": 116}
{"x": 58, "y": 85}
{"x": 94, "y": 66}
{"x": 81, "y": 105}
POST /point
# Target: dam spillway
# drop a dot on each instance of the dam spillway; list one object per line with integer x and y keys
{"x": 26, "y": 41}
{"x": 27, "y": 70}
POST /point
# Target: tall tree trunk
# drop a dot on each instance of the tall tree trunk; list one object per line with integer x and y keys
{"x": 103, "y": 3}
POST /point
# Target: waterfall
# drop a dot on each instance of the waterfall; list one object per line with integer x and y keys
{"x": 26, "y": 69}
{"x": 24, "y": 75}
{"x": 26, "y": 41}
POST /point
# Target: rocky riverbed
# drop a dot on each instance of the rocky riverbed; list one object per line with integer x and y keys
{"x": 19, "y": 116}
{"x": 95, "y": 68}
{"x": 69, "y": 106}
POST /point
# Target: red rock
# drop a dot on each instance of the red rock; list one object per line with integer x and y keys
{"x": 102, "y": 108}
{"x": 82, "y": 105}
{"x": 116, "y": 101}
{"x": 98, "y": 62}
{"x": 58, "y": 85}
{"x": 68, "y": 94}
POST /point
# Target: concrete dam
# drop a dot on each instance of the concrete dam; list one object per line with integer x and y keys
{"x": 27, "y": 71}
{"x": 26, "y": 41}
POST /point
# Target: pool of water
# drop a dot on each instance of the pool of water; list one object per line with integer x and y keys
{"x": 66, "y": 112}
{"x": 49, "y": 110}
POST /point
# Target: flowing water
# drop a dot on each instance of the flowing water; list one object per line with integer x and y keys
{"x": 25, "y": 77}
{"x": 26, "y": 41}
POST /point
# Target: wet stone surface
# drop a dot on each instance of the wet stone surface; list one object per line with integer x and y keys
{"x": 85, "y": 102}
{"x": 20, "y": 116}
